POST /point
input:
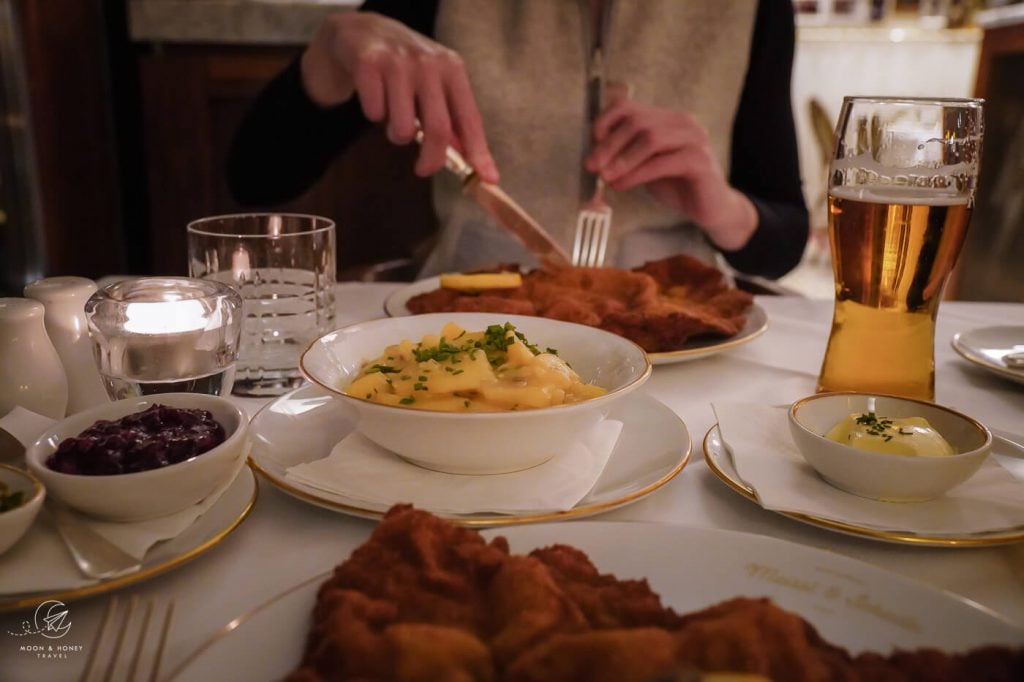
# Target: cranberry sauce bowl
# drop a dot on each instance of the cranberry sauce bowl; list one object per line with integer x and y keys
{"x": 156, "y": 437}
{"x": 141, "y": 457}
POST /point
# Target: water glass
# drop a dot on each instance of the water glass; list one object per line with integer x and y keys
{"x": 901, "y": 188}
{"x": 283, "y": 265}
{"x": 165, "y": 335}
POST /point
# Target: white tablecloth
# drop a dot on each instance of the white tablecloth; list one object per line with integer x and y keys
{"x": 285, "y": 541}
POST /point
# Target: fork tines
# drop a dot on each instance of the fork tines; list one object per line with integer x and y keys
{"x": 592, "y": 227}
{"x": 132, "y": 645}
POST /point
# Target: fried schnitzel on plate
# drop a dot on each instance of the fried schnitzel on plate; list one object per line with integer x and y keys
{"x": 756, "y": 323}
{"x": 853, "y": 605}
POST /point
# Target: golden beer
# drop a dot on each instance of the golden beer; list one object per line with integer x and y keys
{"x": 892, "y": 250}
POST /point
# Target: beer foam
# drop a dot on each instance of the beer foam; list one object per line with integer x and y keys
{"x": 883, "y": 194}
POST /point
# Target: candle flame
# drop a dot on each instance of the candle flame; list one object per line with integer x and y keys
{"x": 165, "y": 317}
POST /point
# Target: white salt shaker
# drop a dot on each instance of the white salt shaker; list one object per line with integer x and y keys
{"x": 31, "y": 374}
{"x": 64, "y": 299}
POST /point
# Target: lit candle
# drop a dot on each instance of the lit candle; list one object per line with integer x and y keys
{"x": 160, "y": 332}
{"x": 240, "y": 264}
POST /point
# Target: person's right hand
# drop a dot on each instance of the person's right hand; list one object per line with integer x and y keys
{"x": 400, "y": 75}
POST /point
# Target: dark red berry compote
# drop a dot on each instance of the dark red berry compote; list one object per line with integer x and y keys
{"x": 151, "y": 439}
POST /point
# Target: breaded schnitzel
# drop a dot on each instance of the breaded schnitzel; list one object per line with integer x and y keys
{"x": 425, "y": 600}
{"x": 660, "y": 306}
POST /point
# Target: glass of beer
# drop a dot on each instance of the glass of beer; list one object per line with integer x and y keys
{"x": 901, "y": 188}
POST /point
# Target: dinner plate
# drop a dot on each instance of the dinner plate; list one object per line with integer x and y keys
{"x": 209, "y": 530}
{"x": 304, "y": 425}
{"x": 985, "y": 348}
{"x": 719, "y": 460}
{"x": 756, "y": 324}
{"x": 851, "y": 603}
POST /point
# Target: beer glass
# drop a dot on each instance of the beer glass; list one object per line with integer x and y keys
{"x": 901, "y": 188}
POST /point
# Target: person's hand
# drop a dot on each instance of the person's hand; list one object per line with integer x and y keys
{"x": 669, "y": 153}
{"x": 399, "y": 75}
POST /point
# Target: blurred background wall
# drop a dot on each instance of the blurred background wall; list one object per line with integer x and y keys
{"x": 117, "y": 115}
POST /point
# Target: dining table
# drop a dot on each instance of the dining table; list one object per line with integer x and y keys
{"x": 286, "y": 540}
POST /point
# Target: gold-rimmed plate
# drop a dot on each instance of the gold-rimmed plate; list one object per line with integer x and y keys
{"x": 849, "y": 602}
{"x": 304, "y": 425}
{"x": 719, "y": 460}
{"x": 988, "y": 346}
{"x": 226, "y": 514}
{"x": 756, "y": 324}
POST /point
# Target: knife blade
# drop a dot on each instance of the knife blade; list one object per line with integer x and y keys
{"x": 505, "y": 210}
{"x": 516, "y": 220}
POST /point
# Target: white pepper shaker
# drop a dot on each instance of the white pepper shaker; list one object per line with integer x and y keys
{"x": 31, "y": 374}
{"x": 64, "y": 299}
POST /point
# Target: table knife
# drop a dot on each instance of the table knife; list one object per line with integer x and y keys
{"x": 504, "y": 210}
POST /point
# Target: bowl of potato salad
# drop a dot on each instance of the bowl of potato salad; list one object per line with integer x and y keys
{"x": 475, "y": 393}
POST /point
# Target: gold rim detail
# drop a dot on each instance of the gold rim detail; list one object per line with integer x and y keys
{"x": 239, "y": 621}
{"x": 906, "y": 538}
{"x": 37, "y": 485}
{"x": 481, "y": 521}
{"x": 34, "y": 599}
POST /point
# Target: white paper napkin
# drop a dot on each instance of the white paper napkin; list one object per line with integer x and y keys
{"x": 40, "y": 561}
{"x": 366, "y": 473}
{"x": 768, "y": 461}
{"x": 25, "y": 425}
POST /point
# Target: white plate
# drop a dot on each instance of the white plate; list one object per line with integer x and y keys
{"x": 304, "y": 425}
{"x": 757, "y": 324}
{"x": 853, "y": 604}
{"x": 217, "y": 523}
{"x": 986, "y": 347}
{"x": 719, "y": 460}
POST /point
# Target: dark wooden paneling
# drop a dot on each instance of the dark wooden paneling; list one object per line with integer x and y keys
{"x": 69, "y": 93}
{"x": 990, "y": 265}
{"x": 193, "y": 99}
{"x": 179, "y": 170}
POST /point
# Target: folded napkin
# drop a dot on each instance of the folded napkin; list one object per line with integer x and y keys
{"x": 768, "y": 461}
{"x": 367, "y": 474}
{"x": 24, "y": 425}
{"x": 41, "y": 562}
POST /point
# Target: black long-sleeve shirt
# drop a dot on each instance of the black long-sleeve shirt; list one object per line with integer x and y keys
{"x": 286, "y": 142}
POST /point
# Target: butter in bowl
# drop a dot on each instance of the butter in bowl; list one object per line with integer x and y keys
{"x": 888, "y": 448}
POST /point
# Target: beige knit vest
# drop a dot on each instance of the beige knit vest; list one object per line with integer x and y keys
{"x": 527, "y": 62}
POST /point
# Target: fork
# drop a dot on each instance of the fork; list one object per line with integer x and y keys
{"x": 122, "y": 661}
{"x": 592, "y": 227}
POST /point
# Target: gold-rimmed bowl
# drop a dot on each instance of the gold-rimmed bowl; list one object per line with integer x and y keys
{"x": 880, "y": 476}
{"x": 15, "y": 521}
{"x": 143, "y": 494}
{"x": 478, "y": 442}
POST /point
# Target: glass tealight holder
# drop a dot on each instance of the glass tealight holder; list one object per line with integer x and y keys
{"x": 165, "y": 334}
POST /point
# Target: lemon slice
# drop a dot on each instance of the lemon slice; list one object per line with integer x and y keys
{"x": 481, "y": 281}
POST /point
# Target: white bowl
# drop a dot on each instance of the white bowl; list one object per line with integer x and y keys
{"x": 14, "y": 522}
{"x": 892, "y": 478}
{"x": 143, "y": 494}
{"x": 479, "y": 442}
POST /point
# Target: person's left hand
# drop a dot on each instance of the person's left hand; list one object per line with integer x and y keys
{"x": 670, "y": 153}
